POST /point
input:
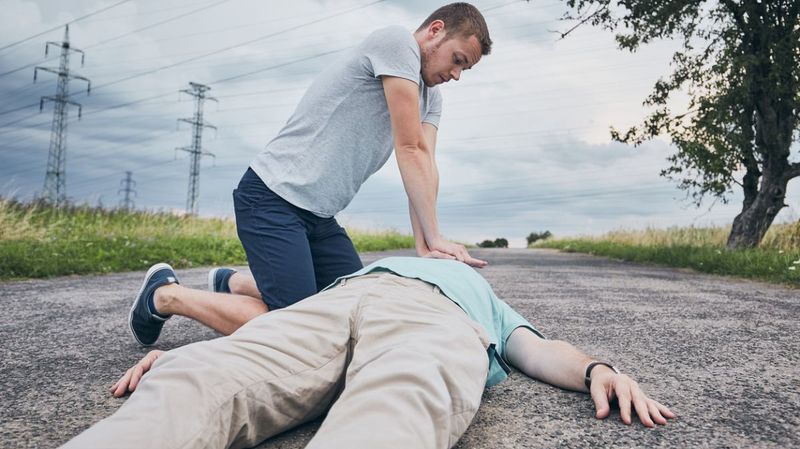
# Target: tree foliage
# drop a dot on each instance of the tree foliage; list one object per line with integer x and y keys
{"x": 740, "y": 66}
{"x": 497, "y": 243}
{"x": 536, "y": 236}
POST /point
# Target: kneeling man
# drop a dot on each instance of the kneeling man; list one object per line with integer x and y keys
{"x": 397, "y": 354}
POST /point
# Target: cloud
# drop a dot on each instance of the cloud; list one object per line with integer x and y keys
{"x": 523, "y": 143}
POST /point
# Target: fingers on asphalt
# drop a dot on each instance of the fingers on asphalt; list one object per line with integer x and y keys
{"x": 138, "y": 372}
{"x": 122, "y": 384}
{"x": 643, "y": 411}
{"x": 624, "y": 405}
{"x": 600, "y": 402}
{"x": 664, "y": 410}
{"x": 655, "y": 413}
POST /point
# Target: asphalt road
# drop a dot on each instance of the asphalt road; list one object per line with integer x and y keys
{"x": 722, "y": 352}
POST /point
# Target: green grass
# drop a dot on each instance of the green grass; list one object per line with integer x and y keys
{"x": 701, "y": 249}
{"x": 38, "y": 241}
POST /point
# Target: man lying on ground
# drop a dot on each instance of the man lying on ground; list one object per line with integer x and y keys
{"x": 398, "y": 354}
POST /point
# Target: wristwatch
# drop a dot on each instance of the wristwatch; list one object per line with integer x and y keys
{"x": 587, "y": 378}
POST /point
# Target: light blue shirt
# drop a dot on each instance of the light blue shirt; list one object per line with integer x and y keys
{"x": 470, "y": 291}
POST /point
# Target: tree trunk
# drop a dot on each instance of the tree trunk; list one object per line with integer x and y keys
{"x": 753, "y": 222}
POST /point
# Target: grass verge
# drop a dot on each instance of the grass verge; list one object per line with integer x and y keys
{"x": 38, "y": 241}
{"x": 777, "y": 260}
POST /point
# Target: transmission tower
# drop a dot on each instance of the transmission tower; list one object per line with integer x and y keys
{"x": 55, "y": 181}
{"x": 195, "y": 150}
{"x": 127, "y": 185}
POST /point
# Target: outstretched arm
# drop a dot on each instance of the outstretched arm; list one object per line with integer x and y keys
{"x": 429, "y": 132}
{"x": 417, "y": 166}
{"x": 563, "y": 365}
{"x": 129, "y": 380}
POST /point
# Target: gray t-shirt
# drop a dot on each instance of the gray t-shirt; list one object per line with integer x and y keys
{"x": 341, "y": 133}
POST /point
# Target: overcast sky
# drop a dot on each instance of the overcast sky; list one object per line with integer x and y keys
{"x": 523, "y": 142}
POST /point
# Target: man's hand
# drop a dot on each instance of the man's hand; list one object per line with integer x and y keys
{"x": 444, "y": 249}
{"x": 131, "y": 378}
{"x": 606, "y": 384}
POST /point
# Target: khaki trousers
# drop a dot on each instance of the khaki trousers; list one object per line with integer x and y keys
{"x": 407, "y": 364}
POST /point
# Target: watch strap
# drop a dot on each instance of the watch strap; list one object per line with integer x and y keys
{"x": 587, "y": 377}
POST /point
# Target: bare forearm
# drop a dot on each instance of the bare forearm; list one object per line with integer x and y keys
{"x": 416, "y": 228}
{"x": 553, "y": 361}
{"x": 419, "y": 179}
{"x": 563, "y": 365}
{"x": 563, "y": 368}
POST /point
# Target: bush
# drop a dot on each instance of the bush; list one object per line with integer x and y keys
{"x": 497, "y": 243}
{"x": 534, "y": 236}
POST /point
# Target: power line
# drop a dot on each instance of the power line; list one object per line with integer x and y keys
{"x": 142, "y": 13}
{"x": 159, "y": 95}
{"x": 231, "y": 47}
{"x": 64, "y": 24}
{"x": 146, "y": 27}
{"x": 153, "y": 25}
{"x": 215, "y": 52}
{"x": 644, "y": 64}
{"x": 17, "y": 109}
{"x": 242, "y": 75}
{"x": 225, "y": 29}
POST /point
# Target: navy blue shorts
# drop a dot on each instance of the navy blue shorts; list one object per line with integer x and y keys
{"x": 292, "y": 253}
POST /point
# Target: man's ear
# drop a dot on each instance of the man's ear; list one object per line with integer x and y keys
{"x": 436, "y": 28}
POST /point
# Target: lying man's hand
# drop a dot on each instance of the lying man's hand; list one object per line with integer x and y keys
{"x": 443, "y": 249}
{"x": 606, "y": 384}
{"x": 131, "y": 378}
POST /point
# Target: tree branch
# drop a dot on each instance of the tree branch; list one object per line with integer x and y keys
{"x": 737, "y": 13}
{"x": 584, "y": 20}
{"x": 794, "y": 170}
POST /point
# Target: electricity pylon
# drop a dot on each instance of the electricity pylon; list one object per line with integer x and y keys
{"x": 127, "y": 186}
{"x": 195, "y": 150}
{"x": 55, "y": 181}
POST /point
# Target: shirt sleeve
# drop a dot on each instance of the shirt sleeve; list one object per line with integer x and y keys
{"x": 434, "y": 113}
{"x": 393, "y": 51}
{"x": 509, "y": 321}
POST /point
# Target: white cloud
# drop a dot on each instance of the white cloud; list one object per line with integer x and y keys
{"x": 523, "y": 144}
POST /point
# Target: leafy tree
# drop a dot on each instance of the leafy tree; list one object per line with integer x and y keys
{"x": 497, "y": 243}
{"x": 535, "y": 236}
{"x": 740, "y": 65}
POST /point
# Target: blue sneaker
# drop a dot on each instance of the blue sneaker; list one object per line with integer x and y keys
{"x": 144, "y": 323}
{"x": 218, "y": 279}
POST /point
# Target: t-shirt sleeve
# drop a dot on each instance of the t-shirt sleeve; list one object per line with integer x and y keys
{"x": 434, "y": 113}
{"x": 509, "y": 321}
{"x": 393, "y": 52}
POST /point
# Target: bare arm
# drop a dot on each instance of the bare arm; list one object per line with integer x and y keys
{"x": 417, "y": 166}
{"x": 429, "y": 134}
{"x": 563, "y": 365}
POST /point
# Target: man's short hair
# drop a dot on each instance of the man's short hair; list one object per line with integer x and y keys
{"x": 464, "y": 20}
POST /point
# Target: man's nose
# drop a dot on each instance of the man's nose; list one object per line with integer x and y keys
{"x": 455, "y": 73}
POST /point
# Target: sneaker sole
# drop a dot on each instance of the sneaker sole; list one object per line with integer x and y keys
{"x": 211, "y": 275}
{"x": 153, "y": 269}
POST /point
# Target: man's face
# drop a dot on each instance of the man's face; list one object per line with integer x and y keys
{"x": 444, "y": 59}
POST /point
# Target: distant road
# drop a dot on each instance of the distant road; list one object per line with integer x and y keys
{"x": 723, "y": 353}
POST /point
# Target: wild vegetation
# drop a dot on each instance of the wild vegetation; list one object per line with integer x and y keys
{"x": 777, "y": 259}
{"x": 38, "y": 241}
